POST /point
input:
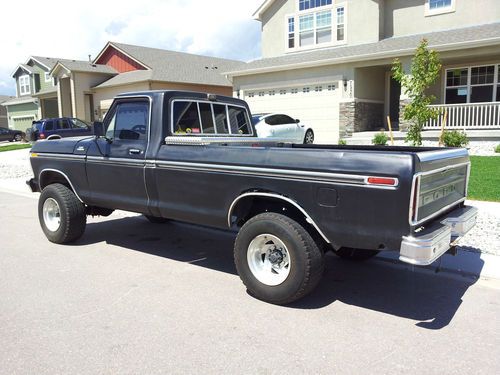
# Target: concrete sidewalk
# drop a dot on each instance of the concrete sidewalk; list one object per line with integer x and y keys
{"x": 469, "y": 264}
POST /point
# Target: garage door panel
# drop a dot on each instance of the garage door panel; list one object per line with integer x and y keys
{"x": 316, "y": 109}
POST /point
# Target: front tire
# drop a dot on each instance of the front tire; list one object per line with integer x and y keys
{"x": 309, "y": 137}
{"x": 277, "y": 259}
{"x": 62, "y": 216}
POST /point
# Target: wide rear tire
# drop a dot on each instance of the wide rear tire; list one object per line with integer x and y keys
{"x": 62, "y": 216}
{"x": 277, "y": 259}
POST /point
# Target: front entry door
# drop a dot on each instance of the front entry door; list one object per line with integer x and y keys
{"x": 394, "y": 95}
{"x": 116, "y": 165}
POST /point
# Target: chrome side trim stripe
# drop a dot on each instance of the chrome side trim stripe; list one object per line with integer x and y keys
{"x": 276, "y": 196}
{"x": 274, "y": 172}
{"x": 59, "y": 156}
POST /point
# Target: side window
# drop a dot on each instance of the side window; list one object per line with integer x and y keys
{"x": 239, "y": 121}
{"x": 271, "y": 120}
{"x": 186, "y": 118}
{"x": 78, "y": 124}
{"x": 61, "y": 124}
{"x": 130, "y": 121}
{"x": 220, "y": 119}
{"x": 49, "y": 125}
{"x": 287, "y": 119}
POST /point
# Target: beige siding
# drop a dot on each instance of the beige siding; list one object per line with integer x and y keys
{"x": 83, "y": 83}
{"x": 406, "y": 17}
{"x": 274, "y": 27}
{"x": 363, "y": 24}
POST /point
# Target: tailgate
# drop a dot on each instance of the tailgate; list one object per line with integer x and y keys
{"x": 440, "y": 184}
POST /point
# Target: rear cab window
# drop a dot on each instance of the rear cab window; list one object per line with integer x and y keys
{"x": 198, "y": 117}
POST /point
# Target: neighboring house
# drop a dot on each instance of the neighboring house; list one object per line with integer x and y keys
{"x": 328, "y": 62}
{"x": 86, "y": 90}
{"x": 4, "y": 123}
{"x": 54, "y": 87}
{"x": 32, "y": 78}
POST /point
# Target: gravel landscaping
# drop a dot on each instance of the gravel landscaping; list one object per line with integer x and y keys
{"x": 484, "y": 237}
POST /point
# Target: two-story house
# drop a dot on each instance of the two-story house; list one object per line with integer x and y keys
{"x": 32, "y": 78}
{"x": 328, "y": 62}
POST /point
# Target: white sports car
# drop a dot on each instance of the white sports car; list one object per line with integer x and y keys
{"x": 277, "y": 125}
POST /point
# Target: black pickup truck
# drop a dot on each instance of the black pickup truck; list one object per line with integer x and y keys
{"x": 195, "y": 158}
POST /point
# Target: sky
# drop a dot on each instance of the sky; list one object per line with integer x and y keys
{"x": 221, "y": 28}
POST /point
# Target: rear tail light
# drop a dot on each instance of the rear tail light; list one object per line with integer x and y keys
{"x": 387, "y": 181}
{"x": 41, "y": 136}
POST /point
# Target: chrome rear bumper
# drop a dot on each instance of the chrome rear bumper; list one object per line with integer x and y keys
{"x": 436, "y": 239}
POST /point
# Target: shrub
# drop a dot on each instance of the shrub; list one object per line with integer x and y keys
{"x": 497, "y": 149}
{"x": 343, "y": 142}
{"x": 380, "y": 139}
{"x": 455, "y": 138}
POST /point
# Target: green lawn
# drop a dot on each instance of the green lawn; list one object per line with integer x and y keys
{"x": 15, "y": 147}
{"x": 484, "y": 184}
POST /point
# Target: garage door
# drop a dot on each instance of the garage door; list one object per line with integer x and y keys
{"x": 22, "y": 122}
{"x": 316, "y": 107}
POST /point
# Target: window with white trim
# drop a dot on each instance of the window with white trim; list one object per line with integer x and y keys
{"x": 48, "y": 78}
{"x": 309, "y": 4}
{"x": 291, "y": 32}
{"x": 308, "y": 28}
{"x": 24, "y": 85}
{"x": 434, "y": 7}
{"x": 473, "y": 84}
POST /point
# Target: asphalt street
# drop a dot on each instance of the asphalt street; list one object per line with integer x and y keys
{"x": 132, "y": 297}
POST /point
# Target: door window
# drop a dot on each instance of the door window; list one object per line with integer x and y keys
{"x": 61, "y": 124}
{"x": 78, "y": 124}
{"x": 129, "y": 121}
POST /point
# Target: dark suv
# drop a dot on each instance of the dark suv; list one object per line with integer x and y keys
{"x": 62, "y": 127}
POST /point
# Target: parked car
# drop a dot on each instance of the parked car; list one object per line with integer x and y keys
{"x": 277, "y": 125}
{"x": 10, "y": 135}
{"x": 193, "y": 157}
{"x": 60, "y": 127}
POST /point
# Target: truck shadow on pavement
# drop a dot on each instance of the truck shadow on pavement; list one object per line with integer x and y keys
{"x": 426, "y": 297}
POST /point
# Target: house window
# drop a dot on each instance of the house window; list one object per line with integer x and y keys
{"x": 48, "y": 78}
{"x": 340, "y": 23}
{"x": 309, "y": 4}
{"x": 325, "y": 26}
{"x": 24, "y": 85}
{"x": 291, "y": 32}
{"x": 436, "y": 4}
{"x": 306, "y": 27}
{"x": 434, "y": 7}
{"x": 295, "y": 91}
{"x": 474, "y": 84}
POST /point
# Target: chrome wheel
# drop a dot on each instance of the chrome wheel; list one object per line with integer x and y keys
{"x": 51, "y": 214}
{"x": 309, "y": 138}
{"x": 269, "y": 259}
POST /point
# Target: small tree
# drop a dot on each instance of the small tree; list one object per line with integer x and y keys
{"x": 425, "y": 69}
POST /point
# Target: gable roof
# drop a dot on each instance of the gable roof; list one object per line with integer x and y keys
{"x": 257, "y": 15}
{"x": 24, "y": 67}
{"x": 456, "y": 39}
{"x": 172, "y": 66}
{"x": 4, "y": 98}
{"x": 82, "y": 66}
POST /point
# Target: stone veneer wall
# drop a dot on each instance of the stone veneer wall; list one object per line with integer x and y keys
{"x": 403, "y": 124}
{"x": 358, "y": 116}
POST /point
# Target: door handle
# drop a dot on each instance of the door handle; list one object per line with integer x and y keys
{"x": 134, "y": 151}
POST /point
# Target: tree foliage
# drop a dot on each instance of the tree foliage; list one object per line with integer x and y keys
{"x": 425, "y": 69}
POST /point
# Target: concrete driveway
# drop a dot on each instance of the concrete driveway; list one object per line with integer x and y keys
{"x": 134, "y": 297}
